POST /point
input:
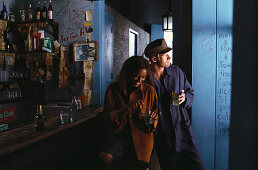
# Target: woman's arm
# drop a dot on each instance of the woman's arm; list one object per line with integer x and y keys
{"x": 117, "y": 117}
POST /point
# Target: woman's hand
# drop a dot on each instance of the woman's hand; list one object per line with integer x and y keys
{"x": 154, "y": 118}
{"x": 135, "y": 105}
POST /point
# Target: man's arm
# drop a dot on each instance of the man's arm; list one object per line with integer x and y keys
{"x": 187, "y": 95}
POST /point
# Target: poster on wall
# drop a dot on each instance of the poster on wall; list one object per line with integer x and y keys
{"x": 85, "y": 51}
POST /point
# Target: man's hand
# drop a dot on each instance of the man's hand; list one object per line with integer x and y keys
{"x": 181, "y": 96}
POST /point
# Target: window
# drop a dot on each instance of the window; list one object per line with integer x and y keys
{"x": 168, "y": 36}
{"x": 133, "y": 36}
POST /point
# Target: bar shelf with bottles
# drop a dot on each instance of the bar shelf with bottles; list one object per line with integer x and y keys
{"x": 12, "y": 78}
{"x": 38, "y": 29}
{"x": 30, "y": 59}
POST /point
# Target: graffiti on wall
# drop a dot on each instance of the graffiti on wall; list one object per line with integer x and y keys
{"x": 72, "y": 20}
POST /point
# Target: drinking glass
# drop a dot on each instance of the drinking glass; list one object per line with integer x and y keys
{"x": 64, "y": 117}
{"x": 146, "y": 117}
{"x": 175, "y": 99}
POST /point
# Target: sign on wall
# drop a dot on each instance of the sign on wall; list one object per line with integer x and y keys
{"x": 73, "y": 24}
{"x": 8, "y": 115}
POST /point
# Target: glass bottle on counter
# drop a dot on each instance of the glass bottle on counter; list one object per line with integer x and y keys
{"x": 74, "y": 108}
{"x": 50, "y": 11}
{"x": 39, "y": 119}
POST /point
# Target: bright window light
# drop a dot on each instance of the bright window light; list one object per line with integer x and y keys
{"x": 133, "y": 36}
{"x": 168, "y": 36}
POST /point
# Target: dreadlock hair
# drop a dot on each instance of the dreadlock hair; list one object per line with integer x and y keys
{"x": 134, "y": 63}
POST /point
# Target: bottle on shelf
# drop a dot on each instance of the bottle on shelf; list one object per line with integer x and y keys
{"x": 2, "y": 41}
{"x": 39, "y": 119}
{"x": 4, "y": 13}
{"x": 44, "y": 11}
{"x": 50, "y": 11}
{"x": 7, "y": 42}
{"x": 11, "y": 15}
{"x": 38, "y": 12}
{"x": 22, "y": 15}
{"x": 30, "y": 39}
{"x": 35, "y": 43}
{"x": 29, "y": 13}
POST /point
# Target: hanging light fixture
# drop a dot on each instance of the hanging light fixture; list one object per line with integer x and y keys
{"x": 167, "y": 20}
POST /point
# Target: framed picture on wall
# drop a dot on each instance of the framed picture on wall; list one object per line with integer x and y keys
{"x": 85, "y": 51}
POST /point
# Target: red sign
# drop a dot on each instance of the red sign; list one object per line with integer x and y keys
{"x": 8, "y": 115}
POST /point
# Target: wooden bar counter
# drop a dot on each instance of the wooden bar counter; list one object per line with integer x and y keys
{"x": 70, "y": 146}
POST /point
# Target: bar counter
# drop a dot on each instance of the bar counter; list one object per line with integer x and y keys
{"x": 57, "y": 147}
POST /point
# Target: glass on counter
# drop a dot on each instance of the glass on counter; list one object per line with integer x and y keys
{"x": 64, "y": 117}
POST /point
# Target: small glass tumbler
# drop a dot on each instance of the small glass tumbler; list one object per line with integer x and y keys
{"x": 64, "y": 117}
{"x": 175, "y": 99}
{"x": 146, "y": 118}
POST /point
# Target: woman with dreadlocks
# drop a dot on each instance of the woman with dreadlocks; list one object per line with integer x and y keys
{"x": 126, "y": 100}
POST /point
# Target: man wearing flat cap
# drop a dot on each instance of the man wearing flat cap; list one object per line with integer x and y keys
{"x": 175, "y": 143}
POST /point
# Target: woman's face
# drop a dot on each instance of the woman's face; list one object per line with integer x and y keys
{"x": 138, "y": 77}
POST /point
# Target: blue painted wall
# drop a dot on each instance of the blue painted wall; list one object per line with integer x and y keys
{"x": 204, "y": 78}
{"x": 223, "y": 83}
{"x": 98, "y": 75}
{"x": 212, "y": 60}
{"x": 109, "y": 50}
{"x": 156, "y": 32}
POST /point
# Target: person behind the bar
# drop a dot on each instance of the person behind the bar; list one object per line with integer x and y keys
{"x": 175, "y": 143}
{"x": 130, "y": 140}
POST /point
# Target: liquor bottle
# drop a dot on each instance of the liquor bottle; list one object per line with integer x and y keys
{"x": 22, "y": 15}
{"x": 4, "y": 12}
{"x": 11, "y": 15}
{"x": 2, "y": 42}
{"x": 44, "y": 11}
{"x": 38, "y": 12}
{"x": 50, "y": 11}
{"x": 7, "y": 42}
{"x": 35, "y": 43}
{"x": 30, "y": 39}
{"x": 29, "y": 13}
{"x": 39, "y": 119}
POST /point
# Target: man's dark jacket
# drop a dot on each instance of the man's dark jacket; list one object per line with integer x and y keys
{"x": 174, "y": 122}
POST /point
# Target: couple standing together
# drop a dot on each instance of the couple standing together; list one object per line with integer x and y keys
{"x": 144, "y": 87}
